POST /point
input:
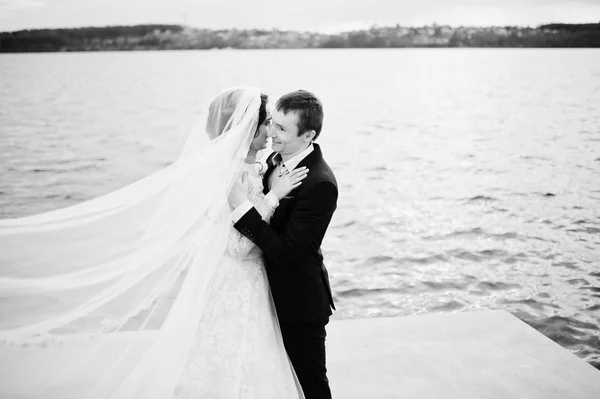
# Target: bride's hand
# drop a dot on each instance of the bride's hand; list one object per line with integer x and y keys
{"x": 286, "y": 183}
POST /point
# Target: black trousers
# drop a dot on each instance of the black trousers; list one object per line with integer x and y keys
{"x": 305, "y": 345}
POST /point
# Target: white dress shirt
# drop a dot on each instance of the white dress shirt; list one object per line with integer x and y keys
{"x": 271, "y": 198}
{"x": 292, "y": 163}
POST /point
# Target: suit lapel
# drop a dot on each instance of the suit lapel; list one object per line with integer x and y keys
{"x": 310, "y": 160}
{"x": 267, "y": 174}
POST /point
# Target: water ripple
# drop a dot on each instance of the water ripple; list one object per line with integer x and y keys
{"x": 441, "y": 209}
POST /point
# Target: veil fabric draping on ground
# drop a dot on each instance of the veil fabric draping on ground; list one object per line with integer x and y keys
{"x": 101, "y": 299}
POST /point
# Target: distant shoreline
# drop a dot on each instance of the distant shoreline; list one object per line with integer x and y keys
{"x": 178, "y": 37}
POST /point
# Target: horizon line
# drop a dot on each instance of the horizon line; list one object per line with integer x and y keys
{"x": 321, "y": 31}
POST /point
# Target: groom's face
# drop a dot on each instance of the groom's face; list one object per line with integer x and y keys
{"x": 284, "y": 133}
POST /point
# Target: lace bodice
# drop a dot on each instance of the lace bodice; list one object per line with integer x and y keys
{"x": 238, "y": 246}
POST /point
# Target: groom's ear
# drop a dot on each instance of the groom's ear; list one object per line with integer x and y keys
{"x": 309, "y": 135}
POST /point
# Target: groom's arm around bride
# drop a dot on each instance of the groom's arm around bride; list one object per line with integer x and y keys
{"x": 291, "y": 243}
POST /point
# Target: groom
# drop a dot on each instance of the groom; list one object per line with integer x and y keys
{"x": 291, "y": 243}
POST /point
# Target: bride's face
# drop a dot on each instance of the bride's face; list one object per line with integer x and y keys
{"x": 260, "y": 141}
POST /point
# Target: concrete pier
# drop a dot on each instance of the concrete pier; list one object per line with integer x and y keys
{"x": 471, "y": 355}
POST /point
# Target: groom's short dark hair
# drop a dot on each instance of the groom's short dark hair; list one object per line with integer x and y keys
{"x": 308, "y": 107}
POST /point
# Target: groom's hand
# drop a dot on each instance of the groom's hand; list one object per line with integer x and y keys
{"x": 239, "y": 191}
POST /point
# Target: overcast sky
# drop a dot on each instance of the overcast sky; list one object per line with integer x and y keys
{"x": 321, "y": 15}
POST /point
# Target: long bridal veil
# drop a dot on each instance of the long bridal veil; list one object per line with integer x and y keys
{"x": 101, "y": 299}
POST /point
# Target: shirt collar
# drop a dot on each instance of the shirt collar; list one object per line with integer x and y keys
{"x": 292, "y": 163}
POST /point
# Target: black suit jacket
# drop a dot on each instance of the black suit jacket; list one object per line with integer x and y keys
{"x": 291, "y": 243}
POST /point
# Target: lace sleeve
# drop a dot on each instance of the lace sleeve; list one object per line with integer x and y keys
{"x": 238, "y": 246}
{"x": 266, "y": 207}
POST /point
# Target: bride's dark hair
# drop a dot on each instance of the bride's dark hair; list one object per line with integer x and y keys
{"x": 262, "y": 111}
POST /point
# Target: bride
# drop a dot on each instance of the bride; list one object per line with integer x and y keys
{"x": 148, "y": 291}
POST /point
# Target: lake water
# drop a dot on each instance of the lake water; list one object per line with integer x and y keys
{"x": 469, "y": 178}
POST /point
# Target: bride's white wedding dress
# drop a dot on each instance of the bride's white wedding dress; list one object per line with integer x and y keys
{"x": 147, "y": 291}
{"x": 237, "y": 350}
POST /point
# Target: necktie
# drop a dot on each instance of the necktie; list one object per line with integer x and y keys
{"x": 279, "y": 171}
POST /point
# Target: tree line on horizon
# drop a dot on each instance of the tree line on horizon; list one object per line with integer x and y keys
{"x": 178, "y": 37}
